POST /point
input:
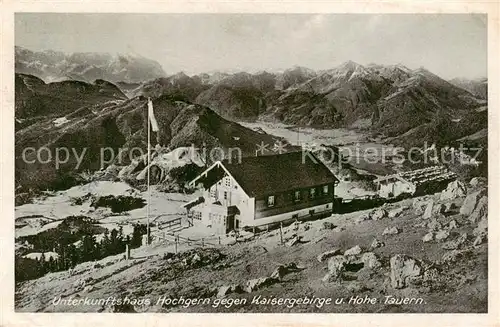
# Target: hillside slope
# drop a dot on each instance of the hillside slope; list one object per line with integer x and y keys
{"x": 35, "y": 98}
{"x": 113, "y": 127}
{"x": 339, "y": 257}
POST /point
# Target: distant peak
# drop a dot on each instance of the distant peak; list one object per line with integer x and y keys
{"x": 351, "y": 65}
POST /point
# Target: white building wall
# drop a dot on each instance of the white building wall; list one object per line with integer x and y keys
{"x": 289, "y": 215}
{"x": 234, "y": 196}
{"x": 396, "y": 188}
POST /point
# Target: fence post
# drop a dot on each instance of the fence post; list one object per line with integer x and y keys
{"x": 281, "y": 232}
{"x": 176, "y": 241}
{"x": 202, "y": 242}
{"x": 219, "y": 240}
{"x": 127, "y": 252}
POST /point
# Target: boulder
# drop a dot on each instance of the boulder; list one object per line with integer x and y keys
{"x": 370, "y": 260}
{"x": 282, "y": 270}
{"x": 376, "y": 244}
{"x": 442, "y": 235}
{"x": 403, "y": 270}
{"x": 479, "y": 240}
{"x": 328, "y": 254}
{"x": 455, "y": 244}
{"x": 254, "y": 284}
{"x": 195, "y": 259}
{"x": 454, "y": 190}
{"x": 328, "y": 225}
{"x": 452, "y": 224}
{"x": 378, "y": 214}
{"x": 428, "y": 237}
{"x": 355, "y": 250}
{"x": 434, "y": 225}
{"x": 428, "y": 210}
{"x": 439, "y": 208}
{"x": 419, "y": 203}
{"x": 336, "y": 268}
{"x": 390, "y": 231}
{"x": 471, "y": 201}
{"x": 478, "y": 181}
{"x": 480, "y": 211}
{"x": 396, "y": 212}
{"x": 481, "y": 228}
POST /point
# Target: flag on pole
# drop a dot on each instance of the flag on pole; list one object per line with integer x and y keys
{"x": 151, "y": 115}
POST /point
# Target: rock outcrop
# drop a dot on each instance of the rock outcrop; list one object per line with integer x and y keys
{"x": 480, "y": 211}
{"x": 471, "y": 201}
{"x": 370, "y": 260}
{"x": 442, "y": 234}
{"x": 390, "y": 231}
{"x": 429, "y": 210}
{"x": 336, "y": 268}
{"x": 378, "y": 214}
{"x": 355, "y": 250}
{"x": 328, "y": 254}
{"x": 454, "y": 190}
{"x": 376, "y": 244}
{"x": 428, "y": 237}
{"x": 403, "y": 270}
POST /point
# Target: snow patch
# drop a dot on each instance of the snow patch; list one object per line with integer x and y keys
{"x": 38, "y": 255}
{"x": 60, "y": 121}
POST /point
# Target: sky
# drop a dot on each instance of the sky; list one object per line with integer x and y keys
{"x": 450, "y": 45}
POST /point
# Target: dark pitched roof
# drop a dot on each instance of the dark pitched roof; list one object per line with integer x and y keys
{"x": 263, "y": 175}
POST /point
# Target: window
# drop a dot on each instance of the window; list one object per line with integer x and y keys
{"x": 311, "y": 212}
{"x": 325, "y": 189}
{"x": 213, "y": 193}
{"x": 227, "y": 181}
{"x": 296, "y": 196}
{"x": 270, "y": 201}
{"x": 225, "y": 195}
{"x": 312, "y": 193}
{"x": 197, "y": 215}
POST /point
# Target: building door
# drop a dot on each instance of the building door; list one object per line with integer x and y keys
{"x": 229, "y": 223}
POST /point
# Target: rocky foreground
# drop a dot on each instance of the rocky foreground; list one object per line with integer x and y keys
{"x": 427, "y": 254}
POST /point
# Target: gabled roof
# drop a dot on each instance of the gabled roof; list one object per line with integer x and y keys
{"x": 265, "y": 175}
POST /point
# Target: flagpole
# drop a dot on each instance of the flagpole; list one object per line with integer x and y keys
{"x": 149, "y": 192}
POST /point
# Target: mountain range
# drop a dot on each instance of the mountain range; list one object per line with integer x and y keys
{"x": 396, "y": 99}
{"x": 404, "y": 106}
{"x": 54, "y": 66}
